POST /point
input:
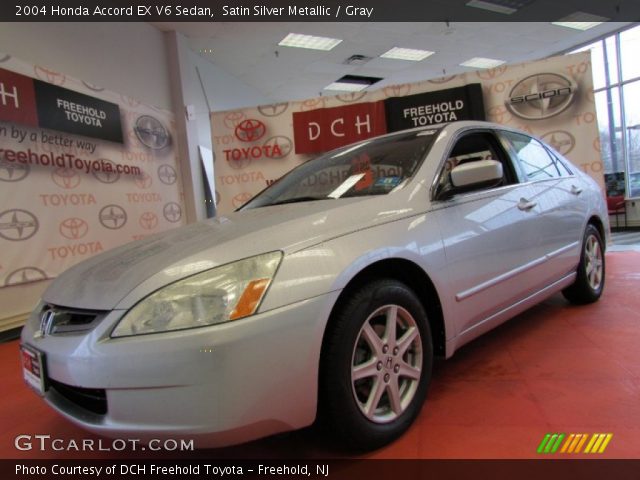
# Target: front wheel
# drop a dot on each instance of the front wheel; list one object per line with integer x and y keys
{"x": 589, "y": 282}
{"x": 376, "y": 365}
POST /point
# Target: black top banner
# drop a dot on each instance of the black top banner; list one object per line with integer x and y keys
{"x": 304, "y": 11}
{"x": 73, "y": 112}
{"x": 441, "y": 106}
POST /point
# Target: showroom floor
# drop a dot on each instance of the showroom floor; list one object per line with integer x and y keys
{"x": 556, "y": 368}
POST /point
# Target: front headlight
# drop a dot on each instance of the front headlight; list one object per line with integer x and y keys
{"x": 218, "y": 295}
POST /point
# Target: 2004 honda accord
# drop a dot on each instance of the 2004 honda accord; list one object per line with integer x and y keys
{"x": 326, "y": 296}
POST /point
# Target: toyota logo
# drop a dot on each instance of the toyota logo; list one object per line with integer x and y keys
{"x": 107, "y": 177}
{"x": 541, "y": 96}
{"x": 112, "y": 217}
{"x": 284, "y": 144}
{"x": 274, "y": 109}
{"x": 13, "y": 172}
{"x": 233, "y": 119}
{"x": 167, "y": 174}
{"x": 5, "y": 58}
{"x": 491, "y": 73}
{"x": 172, "y": 212}
{"x": 148, "y": 220}
{"x": 499, "y": 114}
{"x": 151, "y": 132}
{"x": 442, "y": 79}
{"x": 49, "y": 76}
{"x": 240, "y": 163}
{"x": 73, "y": 228}
{"x": 66, "y": 178}
{"x": 397, "y": 90}
{"x": 92, "y": 86}
{"x": 561, "y": 140}
{"x": 24, "y": 275}
{"x": 131, "y": 102}
{"x": 240, "y": 199}
{"x": 351, "y": 96}
{"x": 250, "y": 130}
{"x": 313, "y": 103}
{"x": 17, "y": 225}
{"x": 143, "y": 181}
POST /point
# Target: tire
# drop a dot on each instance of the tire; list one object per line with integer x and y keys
{"x": 590, "y": 277}
{"x": 372, "y": 388}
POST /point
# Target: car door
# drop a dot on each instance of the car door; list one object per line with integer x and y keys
{"x": 561, "y": 207}
{"x": 490, "y": 236}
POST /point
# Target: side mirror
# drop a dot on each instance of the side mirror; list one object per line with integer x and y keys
{"x": 476, "y": 173}
{"x": 471, "y": 176}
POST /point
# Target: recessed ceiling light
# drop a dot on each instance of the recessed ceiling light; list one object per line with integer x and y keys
{"x": 500, "y": 6}
{"x": 299, "y": 40}
{"x": 352, "y": 83}
{"x": 480, "y": 62}
{"x": 580, "y": 21}
{"x": 412, "y": 54}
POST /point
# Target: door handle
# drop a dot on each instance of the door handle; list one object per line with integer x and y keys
{"x": 526, "y": 205}
{"x": 576, "y": 190}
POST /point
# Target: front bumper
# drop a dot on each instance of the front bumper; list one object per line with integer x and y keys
{"x": 218, "y": 385}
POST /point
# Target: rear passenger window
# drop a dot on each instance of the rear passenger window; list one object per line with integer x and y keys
{"x": 535, "y": 160}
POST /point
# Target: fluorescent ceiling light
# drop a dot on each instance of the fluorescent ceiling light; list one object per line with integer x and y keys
{"x": 309, "y": 41}
{"x": 580, "y": 21}
{"x": 480, "y": 62}
{"x": 346, "y": 86}
{"x": 407, "y": 54}
{"x": 500, "y": 6}
{"x": 352, "y": 83}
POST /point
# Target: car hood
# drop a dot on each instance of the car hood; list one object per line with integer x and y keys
{"x": 120, "y": 277}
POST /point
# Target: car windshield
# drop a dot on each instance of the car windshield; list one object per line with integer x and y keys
{"x": 375, "y": 167}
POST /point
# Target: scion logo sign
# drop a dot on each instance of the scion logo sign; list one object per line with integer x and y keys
{"x": 491, "y": 73}
{"x": 274, "y": 109}
{"x": 49, "y": 76}
{"x": 24, "y": 275}
{"x": 148, "y": 220}
{"x": 240, "y": 199}
{"x": 66, "y": 178}
{"x": 17, "y": 225}
{"x": 110, "y": 176}
{"x": 112, "y": 217}
{"x": 172, "y": 212}
{"x": 73, "y": 228}
{"x": 151, "y": 132}
{"x": 144, "y": 181}
{"x": 250, "y": 130}
{"x": 167, "y": 174}
{"x": 561, "y": 140}
{"x": 13, "y": 172}
{"x": 279, "y": 145}
{"x": 541, "y": 96}
{"x": 231, "y": 120}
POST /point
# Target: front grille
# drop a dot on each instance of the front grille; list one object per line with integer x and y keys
{"x": 92, "y": 399}
{"x": 59, "y": 320}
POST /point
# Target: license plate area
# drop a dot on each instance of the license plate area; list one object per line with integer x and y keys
{"x": 33, "y": 368}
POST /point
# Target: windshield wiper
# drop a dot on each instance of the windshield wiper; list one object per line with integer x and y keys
{"x": 297, "y": 199}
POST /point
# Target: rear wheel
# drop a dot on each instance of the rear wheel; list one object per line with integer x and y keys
{"x": 590, "y": 274}
{"x": 376, "y": 365}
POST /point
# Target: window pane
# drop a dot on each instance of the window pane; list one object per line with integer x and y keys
{"x": 597, "y": 63}
{"x": 632, "y": 118}
{"x": 608, "y": 110}
{"x": 611, "y": 59}
{"x": 536, "y": 162}
{"x": 629, "y": 48}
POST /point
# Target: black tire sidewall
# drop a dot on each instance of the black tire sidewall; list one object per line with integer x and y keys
{"x": 343, "y": 409}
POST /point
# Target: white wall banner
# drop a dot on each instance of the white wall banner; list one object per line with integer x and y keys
{"x": 65, "y": 196}
{"x": 551, "y": 98}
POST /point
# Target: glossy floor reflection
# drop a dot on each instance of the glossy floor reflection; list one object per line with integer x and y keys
{"x": 555, "y": 368}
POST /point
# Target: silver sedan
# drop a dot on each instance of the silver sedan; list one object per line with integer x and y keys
{"x": 325, "y": 297}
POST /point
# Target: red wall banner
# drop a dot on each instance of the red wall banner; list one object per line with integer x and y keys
{"x": 324, "y": 129}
